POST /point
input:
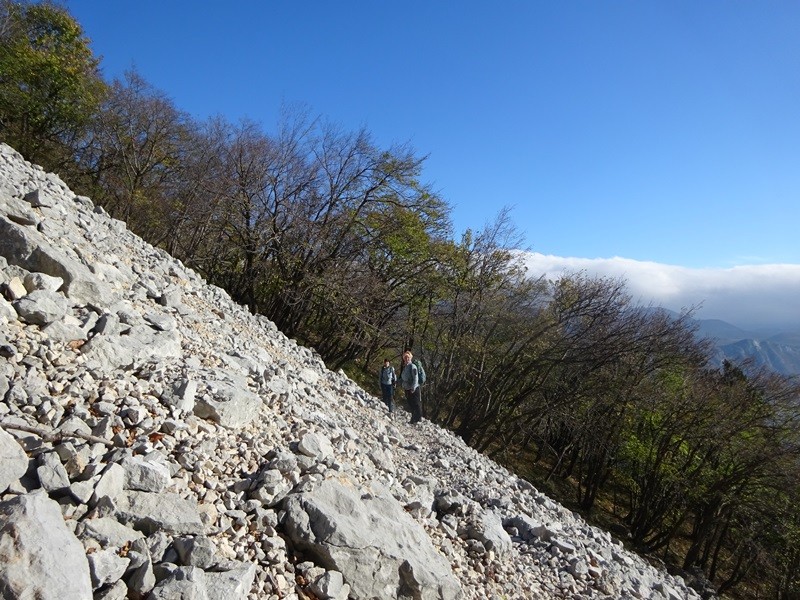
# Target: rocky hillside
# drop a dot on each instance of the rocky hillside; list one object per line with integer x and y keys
{"x": 158, "y": 441}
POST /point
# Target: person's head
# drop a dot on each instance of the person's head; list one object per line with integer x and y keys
{"x": 385, "y": 362}
{"x": 407, "y": 356}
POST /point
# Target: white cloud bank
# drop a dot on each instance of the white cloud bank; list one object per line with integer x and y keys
{"x": 750, "y": 297}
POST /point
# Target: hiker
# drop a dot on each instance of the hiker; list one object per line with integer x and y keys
{"x": 409, "y": 379}
{"x": 420, "y": 376}
{"x": 388, "y": 379}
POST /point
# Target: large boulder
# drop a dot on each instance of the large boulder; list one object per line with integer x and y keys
{"x": 379, "y": 549}
{"x": 148, "y": 512}
{"x": 229, "y": 405}
{"x": 26, "y": 247}
{"x": 233, "y": 584}
{"x": 39, "y": 556}
{"x": 197, "y": 584}
{"x": 137, "y": 346}
{"x": 41, "y": 307}
{"x": 13, "y": 460}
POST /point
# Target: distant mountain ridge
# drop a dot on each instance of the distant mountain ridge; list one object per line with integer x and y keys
{"x": 778, "y": 351}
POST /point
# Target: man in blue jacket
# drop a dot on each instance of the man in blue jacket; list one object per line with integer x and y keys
{"x": 388, "y": 380}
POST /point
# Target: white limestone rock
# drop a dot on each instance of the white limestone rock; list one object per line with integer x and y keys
{"x": 229, "y": 405}
{"x": 379, "y": 549}
{"x": 39, "y": 556}
{"x": 13, "y": 460}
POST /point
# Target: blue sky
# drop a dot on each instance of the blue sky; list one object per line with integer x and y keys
{"x": 662, "y": 134}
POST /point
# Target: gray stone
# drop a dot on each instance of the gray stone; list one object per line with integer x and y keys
{"x": 65, "y": 330}
{"x": 529, "y": 528}
{"x": 142, "y": 579}
{"x": 108, "y": 532}
{"x": 15, "y": 246}
{"x": 157, "y": 544}
{"x": 117, "y": 591}
{"x": 13, "y": 460}
{"x": 231, "y": 584}
{"x": 18, "y": 212}
{"x": 82, "y": 491}
{"x": 270, "y": 487}
{"x": 108, "y": 324}
{"x": 309, "y": 376}
{"x": 379, "y": 549}
{"x": 137, "y": 347}
{"x": 16, "y": 289}
{"x": 578, "y": 567}
{"x": 171, "y": 298}
{"x": 84, "y": 290}
{"x": 330, "y": 585}
{"x": 7, "y": 312}
{"x": 28, "y": 248}
{"x": 196, "y": 551}
{"x": 4, "y": 384}
{"x": 41, "y": 307}
{"x": 421, "y": 494}
{"x": 74, "y": 424}
{"x": 184, "y": 583}
{"x": 111, "y": 483}
{"x": 382, "y": 460}
{"x": 160, "y": 321}
{"x": 134, "y": 415}
{"x": 279, "y": 386}
{"x": 183, "y": 395}
{"x": 109, "y": 352}
{"x": 106, "y": 566}
{"x": 39, "y": 556}
{"x": 138, "y": 553}
{"x": 40, "y": 281}
{"x": 36, "y": 198}
{"x": 564, "y": 546}
{"x": 668, "y": 591}
{"x": 315, "y": 446}
{"x": 489, "y": 531}
{"x": 284, "y": 461}
{"x": 74, "y": 460}
{"x": 53, "y": 476}
{"x": 146, "y": 475}
{"x": 228, "y": 405}
{"x": 149, "y": 512}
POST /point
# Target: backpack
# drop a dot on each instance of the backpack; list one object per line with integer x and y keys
{"x": 420, "y": 371}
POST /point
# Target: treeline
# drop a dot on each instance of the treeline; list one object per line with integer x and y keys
{"x": 340, "y": 242}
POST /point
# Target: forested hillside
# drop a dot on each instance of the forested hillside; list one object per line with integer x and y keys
{"x": 342, "y": 244}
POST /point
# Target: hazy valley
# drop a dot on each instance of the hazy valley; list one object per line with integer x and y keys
{"x": 779, "y": 351}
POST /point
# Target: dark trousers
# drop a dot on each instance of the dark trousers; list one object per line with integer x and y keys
{"x": 414, "y": 399}
{"x": 388, "y": 395}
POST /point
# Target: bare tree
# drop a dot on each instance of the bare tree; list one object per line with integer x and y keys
{"x": 136, "y": 153}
